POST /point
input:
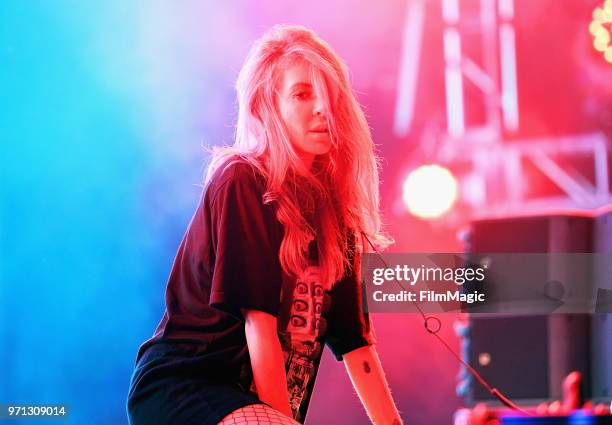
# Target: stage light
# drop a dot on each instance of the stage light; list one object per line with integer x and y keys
{"x": 600, "y": 45}
{"x": 598, "y": 14}
{"x": 600, "y": 28}
{"x": 430, "y": 191}
{"x": 607, "y": 11}
{"x": 603, "y": 35}
{"x": 594, "y": 27}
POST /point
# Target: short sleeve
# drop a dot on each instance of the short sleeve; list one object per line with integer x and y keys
{"x": 247, "y": 273}
{"x": 348, "y": 327}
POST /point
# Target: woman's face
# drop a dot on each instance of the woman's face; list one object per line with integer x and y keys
{"x": 303, "y": 113}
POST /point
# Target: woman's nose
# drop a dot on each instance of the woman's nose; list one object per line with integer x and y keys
{"x": 319, "y": 106}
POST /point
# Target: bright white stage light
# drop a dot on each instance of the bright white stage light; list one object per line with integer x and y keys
{"x": 600, "y": 28}
{"x": 430, "y": 191}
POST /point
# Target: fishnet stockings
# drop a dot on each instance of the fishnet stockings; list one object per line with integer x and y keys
{"x": 257, "y": 414}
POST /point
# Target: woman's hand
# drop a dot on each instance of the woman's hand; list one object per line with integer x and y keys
{"x": 267, "y": 359}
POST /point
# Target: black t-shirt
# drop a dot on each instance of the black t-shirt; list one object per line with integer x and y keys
{"x": 227, "y": 261}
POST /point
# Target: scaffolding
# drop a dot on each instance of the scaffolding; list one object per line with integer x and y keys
{"x": 495, "y": 163}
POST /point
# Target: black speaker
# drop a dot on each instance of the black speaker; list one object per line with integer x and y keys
{"x": 509, "y": 353}
{"x": 601, "y": 325}
{"x": 527, "y": 357}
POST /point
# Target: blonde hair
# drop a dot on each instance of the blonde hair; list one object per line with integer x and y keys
{"x": 337, "y": 199}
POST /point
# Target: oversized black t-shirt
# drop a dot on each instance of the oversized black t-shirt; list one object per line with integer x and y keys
{"x": 227, "y": 261}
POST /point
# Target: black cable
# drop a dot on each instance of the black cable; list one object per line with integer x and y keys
{"x": 434, "y": 331}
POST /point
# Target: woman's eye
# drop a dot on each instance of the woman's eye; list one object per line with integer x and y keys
{"x": 302, "y": 95}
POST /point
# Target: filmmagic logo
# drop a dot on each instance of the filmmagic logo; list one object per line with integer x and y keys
{"x": 429, "y": 296}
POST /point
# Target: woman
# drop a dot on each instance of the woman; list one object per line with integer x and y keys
{"x": 268, "y": 269}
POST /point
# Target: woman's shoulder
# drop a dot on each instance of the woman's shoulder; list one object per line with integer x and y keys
{"x": 235, "y": 171}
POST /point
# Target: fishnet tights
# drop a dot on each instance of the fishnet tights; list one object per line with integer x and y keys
{"x": 257, "y": 414}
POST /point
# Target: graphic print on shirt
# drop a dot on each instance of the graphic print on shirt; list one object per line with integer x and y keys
{"x": 301, "y": 346}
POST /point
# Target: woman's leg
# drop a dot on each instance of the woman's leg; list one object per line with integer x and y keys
{"x": 257, "y": 414}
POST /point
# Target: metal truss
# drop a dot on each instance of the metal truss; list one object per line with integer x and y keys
{"x": 495, "y": 164}
{"x": 501, "y": 168}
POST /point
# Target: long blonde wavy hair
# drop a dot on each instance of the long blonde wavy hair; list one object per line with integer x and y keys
{"x": 337, "y": 199}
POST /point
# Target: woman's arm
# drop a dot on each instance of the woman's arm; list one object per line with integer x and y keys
{"x": 267, "y": 359}
{"x": 368, "y": 378}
